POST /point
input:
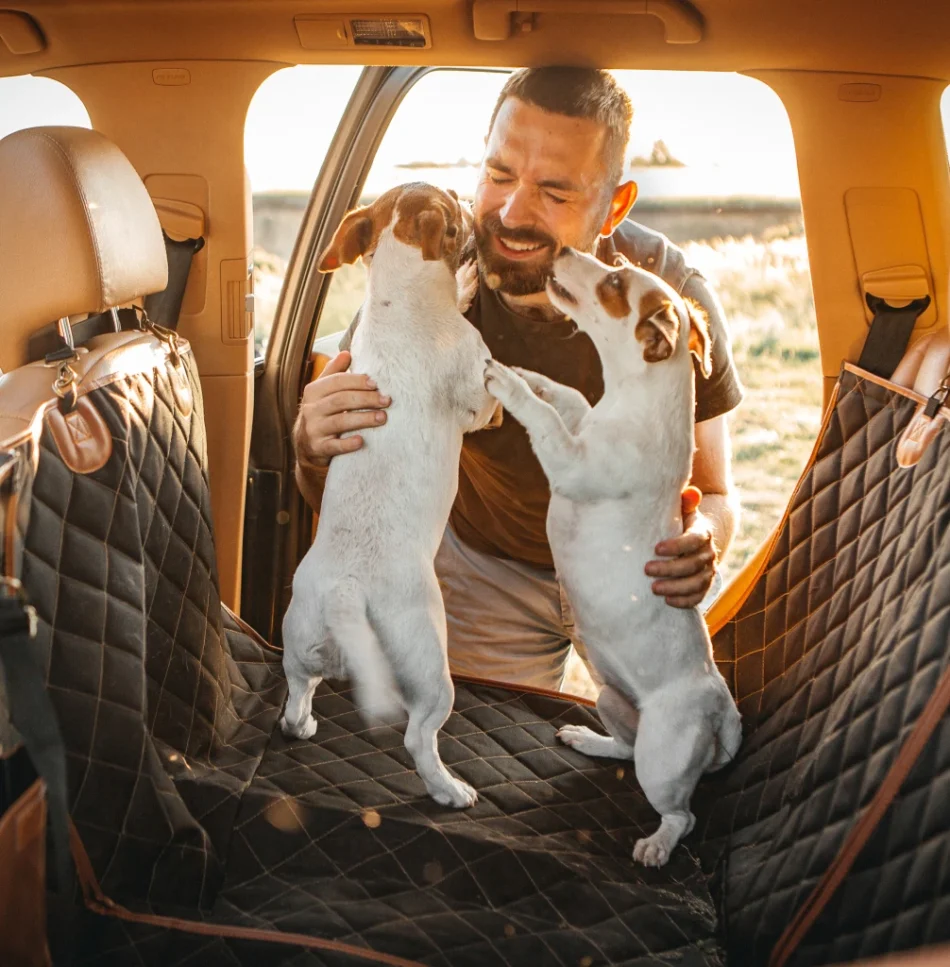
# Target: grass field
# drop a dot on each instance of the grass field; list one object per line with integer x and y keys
{"x": 765, "y": 289}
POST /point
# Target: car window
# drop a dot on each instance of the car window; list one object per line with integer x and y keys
{"x": 27, "y": 102}
{"x": 290, "y": 124}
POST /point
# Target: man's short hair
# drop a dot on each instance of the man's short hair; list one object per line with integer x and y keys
{"x": 577, "y": 92}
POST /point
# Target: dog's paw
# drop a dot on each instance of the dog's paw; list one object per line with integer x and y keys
{"x": 505, "y": 385}
{"x": 466, "y": 285}
{"x": 540, "y": 385}
{"x": 652, "y": 851}
{"x": 304, "y": 730}
{"x": 455, "y": 793}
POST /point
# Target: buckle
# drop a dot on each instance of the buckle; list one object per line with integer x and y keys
{"x": 13, "y": 592}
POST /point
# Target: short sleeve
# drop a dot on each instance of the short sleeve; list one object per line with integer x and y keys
{"x": 722, "y": 391}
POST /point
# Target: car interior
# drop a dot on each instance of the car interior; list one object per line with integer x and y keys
{"x": 151, "y": 811}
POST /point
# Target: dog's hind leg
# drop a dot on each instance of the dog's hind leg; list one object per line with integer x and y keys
{"x": 620, "y": 718}
{"x": 671, "y": 753}
{"x": 422, "y": 671}
{"x": 304, "y": 672}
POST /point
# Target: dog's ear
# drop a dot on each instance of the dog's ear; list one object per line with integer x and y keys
{"x": 352, "y": 240}
{"x": 431, "y": 229}
{"x": 658, "y": 326}
{"x": 700, "y": 345}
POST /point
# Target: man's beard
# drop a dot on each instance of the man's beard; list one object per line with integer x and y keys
{"x": 513, "y": 277}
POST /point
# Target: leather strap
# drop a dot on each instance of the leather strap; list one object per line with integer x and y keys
{"x": 889, "y": 334}
{"x": 99, "y": 903}
{"x": 824, "y": 890}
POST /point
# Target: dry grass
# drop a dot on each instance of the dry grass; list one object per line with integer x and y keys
{"x": 765, "y": 289}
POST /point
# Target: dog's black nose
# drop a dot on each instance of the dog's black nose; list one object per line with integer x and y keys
{"x": 566, "y": 250}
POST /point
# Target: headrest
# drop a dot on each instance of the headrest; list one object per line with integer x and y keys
{"x": 78, "y": 232}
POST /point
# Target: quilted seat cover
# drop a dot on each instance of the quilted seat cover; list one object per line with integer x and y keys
{"x": 190, "y": 804}
{"x": 833, "y": 656}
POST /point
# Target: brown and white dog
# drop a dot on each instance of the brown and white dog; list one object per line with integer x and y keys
{"x": 366, "y": 602}
{"x": 617, "y": 472}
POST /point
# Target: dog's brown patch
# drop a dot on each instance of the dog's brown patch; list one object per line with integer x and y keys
{"x": 657, "y": 327}
{"x": 611, "y": 291}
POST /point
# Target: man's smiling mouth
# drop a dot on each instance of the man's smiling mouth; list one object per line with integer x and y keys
{"x": 518, "y": 249}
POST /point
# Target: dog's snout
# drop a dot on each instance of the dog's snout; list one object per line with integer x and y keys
{"x": 566, "y": 250}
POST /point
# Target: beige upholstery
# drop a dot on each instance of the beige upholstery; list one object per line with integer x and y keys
{"x": 78, "y": 232}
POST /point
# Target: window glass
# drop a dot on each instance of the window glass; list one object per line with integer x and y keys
{"x": 290, "y": 124}
{"x": 27, "y": 102}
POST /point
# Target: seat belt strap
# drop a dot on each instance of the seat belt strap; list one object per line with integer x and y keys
{"x": 33, "y": 716}
{"x": 889, "y": 334}
{"x": 164, "y": 308}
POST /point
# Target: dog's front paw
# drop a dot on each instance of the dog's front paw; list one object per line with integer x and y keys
{"x": 466, "y": 285}
{"x": 299, "y": 730}
{"x": 505, "y": 385}
{"x": 540, "y": 385}
{"x": 455, "y": 793}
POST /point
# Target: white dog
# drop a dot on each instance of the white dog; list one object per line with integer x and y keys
{"x": 366, "y": 602}
{"x": 617, "y": 472}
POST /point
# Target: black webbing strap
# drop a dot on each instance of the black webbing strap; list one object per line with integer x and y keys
{"x": 163, "y": 308}
{"x": 889, "y": 334}
{"x": 34, "y": 717}
{"x": 45, "y": 343}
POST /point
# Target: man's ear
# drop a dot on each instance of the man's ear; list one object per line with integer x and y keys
{"x": 620, "y": 205}
{"x": 700, "y": 345}
{"x": 352, "y": 240}
{"x": 431, "y": 228}
{"x": 657, "y": 328}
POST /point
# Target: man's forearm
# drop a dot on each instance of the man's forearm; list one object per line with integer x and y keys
{"x": 722, "y": 512}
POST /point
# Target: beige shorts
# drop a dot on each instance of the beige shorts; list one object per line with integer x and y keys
{"x": 507, "y": 620}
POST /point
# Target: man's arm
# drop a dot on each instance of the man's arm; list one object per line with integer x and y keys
{"x": 689, "y": 566}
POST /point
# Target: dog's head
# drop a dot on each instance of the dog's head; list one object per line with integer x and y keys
{"x": 627, "y": 311}
{"x": 417, "y": 214}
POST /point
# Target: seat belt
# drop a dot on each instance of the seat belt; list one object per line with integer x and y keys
{"x": 889, "y": 334}
{"x": 162, "y": 308}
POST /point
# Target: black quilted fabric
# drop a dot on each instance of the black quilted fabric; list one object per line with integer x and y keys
{"x": 833, "y": 657}
{"x": 190, "y": 804}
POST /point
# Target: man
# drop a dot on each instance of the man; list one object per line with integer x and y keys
{"x": 551, "y": 177}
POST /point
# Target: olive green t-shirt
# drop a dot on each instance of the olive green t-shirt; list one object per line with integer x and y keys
{"x": 502, "y": 503}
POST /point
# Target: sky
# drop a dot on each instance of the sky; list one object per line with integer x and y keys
{"x": 731, "y": 131}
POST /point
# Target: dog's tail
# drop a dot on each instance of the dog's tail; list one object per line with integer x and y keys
{"x": 377, "y": 695}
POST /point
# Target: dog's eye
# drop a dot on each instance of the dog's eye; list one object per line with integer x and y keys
{"x": 451, "y": 231}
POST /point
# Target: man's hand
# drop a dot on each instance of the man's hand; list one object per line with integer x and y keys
{"x": 690, "y": 566}
{"x": 335, "y": 402}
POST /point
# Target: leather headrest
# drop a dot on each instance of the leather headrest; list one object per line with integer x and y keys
{"x": 78, "y": 232}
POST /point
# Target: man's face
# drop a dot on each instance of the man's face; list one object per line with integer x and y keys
{"x": 541, "y": 186}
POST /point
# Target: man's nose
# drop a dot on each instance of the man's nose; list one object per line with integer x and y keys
{"x": 517, "y": 209}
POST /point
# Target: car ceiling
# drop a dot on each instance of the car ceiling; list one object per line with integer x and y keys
{"x": 810, "y": 35}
